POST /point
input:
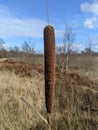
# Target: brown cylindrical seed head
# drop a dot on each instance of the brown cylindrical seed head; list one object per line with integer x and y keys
{"x": 49, "y": 58}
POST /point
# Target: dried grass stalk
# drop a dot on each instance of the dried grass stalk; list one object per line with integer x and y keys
{"x": 34, "y": 110}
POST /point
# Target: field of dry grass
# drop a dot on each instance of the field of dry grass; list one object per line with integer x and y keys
{"x": 14, "y": 114}
{"x": 76, "y": 99}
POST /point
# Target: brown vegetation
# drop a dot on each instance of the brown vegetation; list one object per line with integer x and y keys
{"x": 49, "y": 54}
{"x": 19, "y": 67}
{"x": 76, "y": 98}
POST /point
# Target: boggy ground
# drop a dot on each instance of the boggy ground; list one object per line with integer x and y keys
{"x": 76, "y": 99}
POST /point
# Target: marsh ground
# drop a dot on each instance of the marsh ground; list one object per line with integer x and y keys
{"x": 76, "y": 98}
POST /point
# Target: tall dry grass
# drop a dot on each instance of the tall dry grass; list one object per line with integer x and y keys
{"x": 14, "y": 114}
{"x": 75, "y": 108}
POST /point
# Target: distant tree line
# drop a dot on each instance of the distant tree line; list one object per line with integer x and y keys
{"x": 25, "y": 52}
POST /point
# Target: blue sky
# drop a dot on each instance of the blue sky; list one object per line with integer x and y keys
{"x": 22, "y": 20}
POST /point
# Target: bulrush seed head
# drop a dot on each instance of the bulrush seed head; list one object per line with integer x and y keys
{"x": 49, "y": 59}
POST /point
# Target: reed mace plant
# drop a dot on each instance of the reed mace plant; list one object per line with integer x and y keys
{"x": 49, "y": 61}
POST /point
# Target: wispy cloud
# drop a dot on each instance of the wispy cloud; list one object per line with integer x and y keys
{"x": 11, "y": 26}
{"x": 5, "y": 12}
{"x": 91, "y": 23}
{"x": 90, "y": 8}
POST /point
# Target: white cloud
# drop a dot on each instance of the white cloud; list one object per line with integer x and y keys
{"x": 91, "y": 23}
{"x": 11, "y": 26}
{"x": 90, "y": 7}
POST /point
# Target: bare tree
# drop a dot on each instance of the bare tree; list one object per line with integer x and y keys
{"x": 13, "y": 52}
{"x": 68, "y": 41}
{"x": 66, "y": 49}
{"x": 27, "y": 48}
{"x": 89, "y": 55}
{"x": 1, "y": 44}
{"x": 28, "y": 51}
{"x": 60, "y": 58}
{"x": 3, "y": 51}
